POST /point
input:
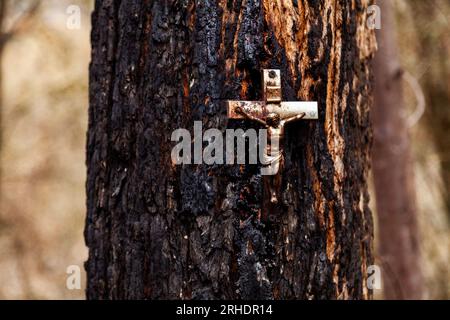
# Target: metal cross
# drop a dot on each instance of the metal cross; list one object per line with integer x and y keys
{"x": 273, "y": 114}
{"x": 273, "y": 102}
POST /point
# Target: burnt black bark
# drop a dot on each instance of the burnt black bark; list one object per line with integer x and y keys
{"x": 156, "y": 230}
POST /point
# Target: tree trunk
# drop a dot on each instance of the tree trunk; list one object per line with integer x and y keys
{"x": 433, "y": 43}
{"x": 393, "y": 171}
{"x": 156, "y": 230}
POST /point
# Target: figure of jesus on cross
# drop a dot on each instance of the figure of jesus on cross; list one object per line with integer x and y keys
{"x": 273, "y": 159}
{"x": 273, "y": 114}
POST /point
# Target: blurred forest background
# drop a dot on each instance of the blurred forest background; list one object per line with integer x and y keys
{"x": 43, "y": 126}
{"x": 43, "y": 105}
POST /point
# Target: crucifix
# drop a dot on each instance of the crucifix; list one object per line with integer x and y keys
{"x": 273, "y": 114}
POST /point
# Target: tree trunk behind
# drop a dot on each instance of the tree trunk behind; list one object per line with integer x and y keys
{"x": 156, "y": 230}
{"x": 393, "y": 171}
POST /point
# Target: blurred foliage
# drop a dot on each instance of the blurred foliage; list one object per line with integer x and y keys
{"x": 44, "y": 119}
{"x": 424, "y": 41}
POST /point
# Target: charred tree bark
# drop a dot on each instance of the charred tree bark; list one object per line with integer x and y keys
{"x": 393, "y": 172}
{"x": 156, "y": 230}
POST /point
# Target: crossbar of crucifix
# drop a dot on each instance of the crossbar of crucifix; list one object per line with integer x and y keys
{"x": 273, "y": 102}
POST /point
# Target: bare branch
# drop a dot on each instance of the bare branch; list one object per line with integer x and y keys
{"x": 414, "y": 118}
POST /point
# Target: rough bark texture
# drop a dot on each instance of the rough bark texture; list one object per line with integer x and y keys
{"x": 156, "y": 230}
{"x": 393, "y": 172}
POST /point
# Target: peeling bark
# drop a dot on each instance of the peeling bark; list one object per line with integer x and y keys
{"x": 159, "y": 231}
